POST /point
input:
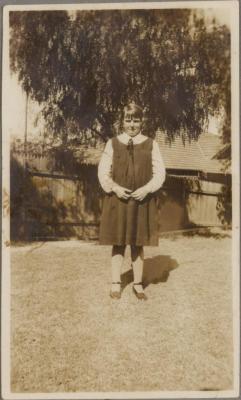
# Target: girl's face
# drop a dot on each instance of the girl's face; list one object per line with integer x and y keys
{"x": 131, "y": 124}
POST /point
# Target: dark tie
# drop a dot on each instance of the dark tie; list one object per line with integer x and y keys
{"x": 130, "y": 147}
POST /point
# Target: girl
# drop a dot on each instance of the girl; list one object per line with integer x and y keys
{"x": 131, "y": 169}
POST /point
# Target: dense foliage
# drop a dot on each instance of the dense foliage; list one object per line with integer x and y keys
{"x": 84, "y": 69}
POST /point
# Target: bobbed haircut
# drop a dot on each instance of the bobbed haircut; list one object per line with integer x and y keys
{"x": 134, "y": 109}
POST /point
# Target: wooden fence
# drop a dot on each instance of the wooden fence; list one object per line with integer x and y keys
{"x": 48, "y": 204}
{"x": 203, "y": 205}
{"x": 58, "y": 205}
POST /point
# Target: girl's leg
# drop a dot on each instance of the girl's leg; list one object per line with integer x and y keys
{"x": 137, "y": 257}
{"x": 116, "y": 264}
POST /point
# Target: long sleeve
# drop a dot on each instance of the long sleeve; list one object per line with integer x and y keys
{"x": 158, "y": 170}
{"x": 105, "y": 167}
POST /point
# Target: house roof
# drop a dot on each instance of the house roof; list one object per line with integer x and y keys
{"x": 210, "y": 144}
{"x": 201, "y": 155}
{"x": 195, "y": 155}
{"x": 216, "y": 152}
{"x": 181, "y": 155}
{"x": 89, "y": 155}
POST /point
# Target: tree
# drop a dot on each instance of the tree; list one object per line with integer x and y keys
{"x": 84, "y": 70}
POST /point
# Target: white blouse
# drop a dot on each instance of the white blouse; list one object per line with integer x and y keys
{"x": 105, "y": 164}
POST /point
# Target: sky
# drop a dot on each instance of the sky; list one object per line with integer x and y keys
{"x": 222, "y": 15}
{"x": 16, "y": 98}
{"x": 17, "y": 108}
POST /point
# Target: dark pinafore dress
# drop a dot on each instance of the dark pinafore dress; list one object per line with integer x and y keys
{"x": 130, "y": 222}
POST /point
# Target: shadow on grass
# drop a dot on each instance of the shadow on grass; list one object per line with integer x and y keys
{"x": 156, "y": 270}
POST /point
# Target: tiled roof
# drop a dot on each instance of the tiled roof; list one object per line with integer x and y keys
{"x": 179, "y": 155}
{"x": 194, "y": 155}
{"x": 89, "y": 155}
{"x": 212, "y": 147}
{"x": 198, "y": 155}
{"x": 210, "y": 144}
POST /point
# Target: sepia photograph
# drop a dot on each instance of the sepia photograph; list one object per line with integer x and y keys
{"x": 120, "y": 228}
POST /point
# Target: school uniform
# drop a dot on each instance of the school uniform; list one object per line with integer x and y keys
{"x": 130, "y": 163}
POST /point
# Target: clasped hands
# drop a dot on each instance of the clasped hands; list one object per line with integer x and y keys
{"x": 123, "y": 193}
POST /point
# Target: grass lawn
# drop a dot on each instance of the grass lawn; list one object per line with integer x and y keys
{"x": 68, "y": 335}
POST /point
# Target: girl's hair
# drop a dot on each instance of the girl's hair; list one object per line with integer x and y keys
{"x": 131, "y": 107}
{"x": 134, "y": 109}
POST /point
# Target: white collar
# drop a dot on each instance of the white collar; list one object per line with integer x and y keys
{"x": 124, "y": 138}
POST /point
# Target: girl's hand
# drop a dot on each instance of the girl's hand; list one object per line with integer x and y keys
{"x": 140, "y": 193}
{"x": 121, "y": 192}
